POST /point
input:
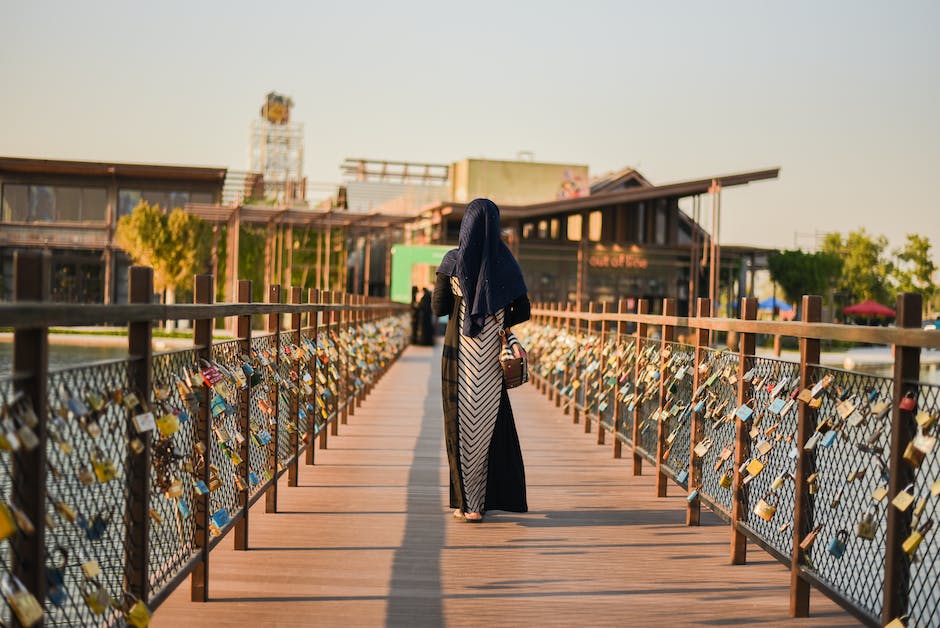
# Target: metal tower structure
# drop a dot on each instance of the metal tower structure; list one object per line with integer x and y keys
{"x": 277, "y": 150}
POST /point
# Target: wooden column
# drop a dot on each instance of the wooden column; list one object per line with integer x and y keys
{"x": 137, "y": 465}
{"x": 741, "y": 440}
{"x": 668, "y": 335}
{"x": 702, "y": 340}
{"x": 202, "y": 339}
{"x": 618, "y": 404}
{"x": 243, "y": 332}
{"x": 274, "y": 327}
{"x": 642, "y": 307}
{"x": 313, "y": 298}
{"x": 590, "y": 328}
{"x": 901, "y": 473}
{"x": 32, "y": 276}
{"x": 805, "y": 462}
{"x": 296, "y": 326}
{"x": 607, "y": 328}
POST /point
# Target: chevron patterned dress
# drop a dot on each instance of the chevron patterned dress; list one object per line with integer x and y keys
{"x": 479, "y": 385}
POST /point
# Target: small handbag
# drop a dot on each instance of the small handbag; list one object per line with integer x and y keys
{"x": 512, "y": 357}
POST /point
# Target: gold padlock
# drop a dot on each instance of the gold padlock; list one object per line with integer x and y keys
{"x": 96, "y": 597}
{"x": 24, "y": 604}
{"x": 913, "y": 455}
{"x": 808, "y": 540}
{"x": 7, "y": 522}
{"x": 136, "y": 612}
{"x": 105, "y": 470}
{"x": 912, "y": 542}
{"x": 866, "y": 526}
{"x": 727, "y": 476}
{"x": 764, "y": 508}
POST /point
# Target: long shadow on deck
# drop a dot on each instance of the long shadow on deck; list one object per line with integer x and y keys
{"x": 415, "y": 588}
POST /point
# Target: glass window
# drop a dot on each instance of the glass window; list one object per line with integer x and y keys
{"x": 15, "y": 203}
{"x": 177, "y": 199}
{"x": 94, "y": 205}
{"x": 553, "y": 229}
{"x": 127, "y": 201}
{"x": 543, "y": 229}
{"x": 660, "y": 225}
{"x": 595, "y": 222}
{"x": 574, "y": 227}
{"x": 156, "y": 197}
{"x": 42, "y": 203}
{"x": 641, "y": 223}
{"x": 527, "y": 229}
{"x": 204, "y": 198}
{"x": 68, "y": 204}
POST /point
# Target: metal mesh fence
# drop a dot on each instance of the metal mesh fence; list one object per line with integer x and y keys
{"x": 14, "y": 413}
{"x": 607, "y": 388}
{"x": 677, "y": 402}
{"x": 261, "y": 412}
{"x": 647, "y": 387}
{"x": 771, "y": 437}
{"x": 173, "y": 455}
{"x": 626, "y": 389}
{"x": 89, "y": 408}
{"x": 718, "y": 401}
{"x": 923, "y": 595}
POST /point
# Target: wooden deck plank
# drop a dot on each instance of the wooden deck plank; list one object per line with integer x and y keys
{"x": 366, "y": 538}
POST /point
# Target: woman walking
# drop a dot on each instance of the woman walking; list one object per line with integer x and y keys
{"x": 480, "y": 286}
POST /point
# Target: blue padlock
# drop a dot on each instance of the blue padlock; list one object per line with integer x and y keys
{"x": 838, "y": 543}
{"x": 692, "y": 496}
{"x": 682, "y": 477}
{"x": 829, "y": 438}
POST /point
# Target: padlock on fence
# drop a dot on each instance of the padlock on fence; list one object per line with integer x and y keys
{"x": 766, "y": 507}
{"x": 24, "y": 604}
{"x": 96, "y": 596}
{"x": 135, "y": 611}
{"x": 912, "y": 542}
{"x": 837, "y": 544}
{"x": 865, "y": 529}
{"x": 726, "y": 478}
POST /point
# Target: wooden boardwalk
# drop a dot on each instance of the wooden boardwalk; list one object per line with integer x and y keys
{"x": 366, "y": 538}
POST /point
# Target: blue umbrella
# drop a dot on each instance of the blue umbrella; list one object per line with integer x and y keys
{"x": 770, "y": 302}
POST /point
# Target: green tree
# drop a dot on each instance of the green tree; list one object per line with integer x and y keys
{"x": 798, "y": 273}
{"x": 915, "y": 268}
{"x": 866, "y": 270}
{"x": 174, "y": 244}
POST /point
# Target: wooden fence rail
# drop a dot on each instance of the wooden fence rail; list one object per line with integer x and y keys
{"x": 833, "y": 472}
{"x": 118, "y": 478}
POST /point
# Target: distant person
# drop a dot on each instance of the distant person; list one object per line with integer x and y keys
{"x": 480, "y": 286}
{"x": 424, "y": 321}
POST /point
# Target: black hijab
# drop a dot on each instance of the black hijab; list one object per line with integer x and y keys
{"x": 489, "y": 276}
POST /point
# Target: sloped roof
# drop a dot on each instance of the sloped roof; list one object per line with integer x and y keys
{"x": 619, "y": 180}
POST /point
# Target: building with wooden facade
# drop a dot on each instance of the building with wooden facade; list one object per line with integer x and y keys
{"x": 71, "y": 209}
{"x": 626, "y": 238}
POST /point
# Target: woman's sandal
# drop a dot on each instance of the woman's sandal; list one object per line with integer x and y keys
{"x": 459, "y": 516}
{"x": 473, "y": 517}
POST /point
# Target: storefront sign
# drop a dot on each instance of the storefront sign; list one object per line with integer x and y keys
{"x": 617, "y": 260}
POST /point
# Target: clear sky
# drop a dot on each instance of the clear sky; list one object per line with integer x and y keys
{"x": 843, "y": 96}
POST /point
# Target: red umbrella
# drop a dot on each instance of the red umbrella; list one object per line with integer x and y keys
{"x": 869, "y": 308}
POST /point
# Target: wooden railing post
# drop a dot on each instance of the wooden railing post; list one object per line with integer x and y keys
{"x": 618, "y": 404}
{"x": 296, "y": 327}
{"x": 702, "y": 341}
{"x": 746, "y": 349}
{"x": 590, "y": 328}
{"x": 569, "y": 370}
{"x": 805, "y": 461}
{"x": 32, "y": 275}
{"x": 202, "y": 339}
{"x": 137, "y": 465}
{"x": 903, "y": 428}
{"x": 668, "y": 335}
{"x": 274, "y": 327}
{"x": 243, "y": 332}
{"x": 345, "y": 331}
{"x": 642, "y": 307}
{"x": 313, "y": 298}
{"x": 606, "y": 331}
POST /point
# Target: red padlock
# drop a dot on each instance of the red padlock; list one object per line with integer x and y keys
{"x": 907, "y": 403}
